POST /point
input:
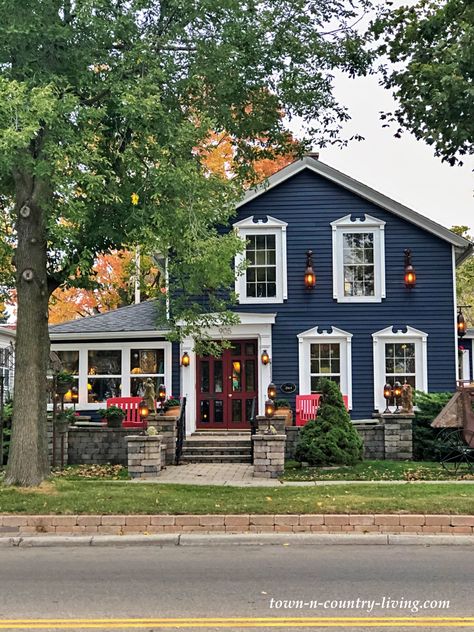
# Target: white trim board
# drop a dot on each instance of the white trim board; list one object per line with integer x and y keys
{"x": 463, "y": 246}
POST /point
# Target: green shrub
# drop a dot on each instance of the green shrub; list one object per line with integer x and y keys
{"x": 331, "y": 439}
{"x": 428, "y": 405}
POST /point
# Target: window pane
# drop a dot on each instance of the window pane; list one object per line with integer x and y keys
{"x": 204, "y": 376}
{"x": 250, "y": 375}
{"x": 101, "y": 389}
{"x": 147, "y": 361}
{"x": 104, "y": 362}
{"x": 236, "y": 410}
{"x": 236, "y": 375}
{"x": 70, "y": 361}
{"x": 250, "y": 349}
{"x": 137, "y": 385}
{"x": 218, "y": 411}
{"x": 205, "y": 411}
{"x": 218, "y": 377}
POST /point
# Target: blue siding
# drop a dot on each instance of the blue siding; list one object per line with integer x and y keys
{"x": 309, "y": 203}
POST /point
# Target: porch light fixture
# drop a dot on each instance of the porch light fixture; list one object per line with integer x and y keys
{"x": 269, "y": 408}
{"x": 162, "y": 393}
{"x": 271, "y": 391}
{"x": 410, "y": 274}
{"x": 309, "y": 275}
{"x": 143, "y": 409}
{"x": 397, "y": 392}
{"x": 265, "y": 357}
{"x": 387, "y": 393}
{"x": 185, "y": 359}
{"x": 462, "y": 325}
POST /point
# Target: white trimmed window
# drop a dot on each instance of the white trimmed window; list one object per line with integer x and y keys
{"x": 358, "y": 253}
{"x": 399, "y": 356}
{"x": 325, "y": 353}
{"x": 264, "y": 279}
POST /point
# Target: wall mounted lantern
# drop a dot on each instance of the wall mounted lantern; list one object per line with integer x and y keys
{"x": 309, "y": 275}
{"x": 185, "y": 359}
{"x": 410, "y": 274}
{"x": 387, "y": 393}
{"x": 271, "y": 391}
{"x": 265, "y": 357}
{"x": 462, "y": 325}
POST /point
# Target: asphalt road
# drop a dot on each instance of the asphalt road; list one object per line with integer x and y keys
{"x": 235, "y": 581}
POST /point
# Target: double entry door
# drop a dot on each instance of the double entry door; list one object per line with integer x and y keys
{"x": 226, "y": 387}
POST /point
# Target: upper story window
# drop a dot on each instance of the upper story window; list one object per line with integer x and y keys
{"x": 264, "y": 277}
{"x": 358, "y": 259}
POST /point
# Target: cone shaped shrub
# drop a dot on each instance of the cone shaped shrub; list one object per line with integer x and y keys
{"x": 331, "y": 439}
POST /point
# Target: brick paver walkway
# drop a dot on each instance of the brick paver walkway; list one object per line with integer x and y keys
{"x": 232, "y": 474}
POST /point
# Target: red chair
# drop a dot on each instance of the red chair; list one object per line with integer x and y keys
{"x": 306, "y": 408}
{"x": 131, "y": 406}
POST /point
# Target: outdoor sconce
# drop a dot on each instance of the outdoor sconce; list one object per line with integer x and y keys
{"x": 271, "y": 391}
{"x": 185, "y": 359}
{"x": 143, "y": 409}
{"x": 397, "y": 392}
{"x": 410, "y": 274}
{"x": 309, "y": 275}
{"x": 387, "y": 393}
{"x": 265, "y": 357}
{"x": 269, "y": 408}
{"x": 462, "y": 325}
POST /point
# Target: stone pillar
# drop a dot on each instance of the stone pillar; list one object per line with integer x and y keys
{"x": 167, "y": 428}
{"x": 278, "y": 422}
{"x": 144, "y": 456}
{"x": 268, "y": 455}
{"x": 398, "y": 436}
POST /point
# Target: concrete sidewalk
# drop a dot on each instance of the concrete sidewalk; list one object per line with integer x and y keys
{"x": 241, "y": 475}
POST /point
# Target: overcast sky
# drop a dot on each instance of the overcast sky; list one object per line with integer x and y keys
{"x": 404, "y": 169}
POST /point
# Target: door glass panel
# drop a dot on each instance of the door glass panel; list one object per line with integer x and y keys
{"x": 204, "y": 377}
{"x": 236, "y": 410}
{"x": 250, "y": 348}
{"x": 218, "y": 411}
{"x": 205, "y": 411}
{"x": 248, "y": 409}
{"x": 250, "y": 375}
{"x": 236, "y": 375}
{"x": 236, "y": 349}
{"x": 218, "y": 381}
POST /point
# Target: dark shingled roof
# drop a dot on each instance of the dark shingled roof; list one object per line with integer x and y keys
{"x": 140, "y": 317}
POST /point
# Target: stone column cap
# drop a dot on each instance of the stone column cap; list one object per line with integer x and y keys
{"x": 269, "y": 437}
{"x": 143, "y": 438}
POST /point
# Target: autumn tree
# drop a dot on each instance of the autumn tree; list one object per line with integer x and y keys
{"x": 430, "y": 47}
{"x": 102, "y": 104}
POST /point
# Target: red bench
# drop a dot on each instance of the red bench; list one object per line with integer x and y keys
{"x": 307, "y": 407}
{"x": 131, "y": 406}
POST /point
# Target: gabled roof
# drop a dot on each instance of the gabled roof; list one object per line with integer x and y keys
{"x": 463, "y": 246}
{"x": 141, "y": 317}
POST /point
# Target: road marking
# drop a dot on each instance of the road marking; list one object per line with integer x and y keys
{"x": 240, "y": 622}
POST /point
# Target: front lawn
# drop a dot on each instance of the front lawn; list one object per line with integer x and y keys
{"x": 63, "y": 496}
{"x": 373, "y": 471}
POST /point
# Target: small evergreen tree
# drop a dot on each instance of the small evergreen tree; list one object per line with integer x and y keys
{"x": 331, "y": 439}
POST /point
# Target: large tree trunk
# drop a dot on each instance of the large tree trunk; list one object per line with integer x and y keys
{"x": 28, "y": 459}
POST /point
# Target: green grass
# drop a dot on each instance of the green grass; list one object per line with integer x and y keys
{"x": 63, "y": 496}
{"x": 371, "y": 471}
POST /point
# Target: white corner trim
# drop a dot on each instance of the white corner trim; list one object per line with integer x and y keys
{"x": 346, "y": 225}
{"x": 272, "y": 226}
{"x": 380, "y": 338}
{"x": 455, "y": 313}
{"x": 317, "y": 335}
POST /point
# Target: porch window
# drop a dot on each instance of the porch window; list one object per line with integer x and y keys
{"x": 104, "y": 374}
{"x": 144, "y": 364}
{"x": 70, "y": 362}
{"x": 325, "y": 362}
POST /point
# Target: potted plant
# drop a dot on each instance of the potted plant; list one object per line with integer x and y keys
{"x": 171, "y": 407}
{"x": 62, "y": 422}
{"x": 283, "y": 409}
{"x": 113, "y": 415}
{"x": 64, "y": 381}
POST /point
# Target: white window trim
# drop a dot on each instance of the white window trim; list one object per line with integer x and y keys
{"x": 366, "y": 224}
{"x": 272, "y": 226}
{"x": 125, "y": 347}
{"x": 466, "y": 365}
{"x": 388, "y": 335}
{"x": 318, "y": 335}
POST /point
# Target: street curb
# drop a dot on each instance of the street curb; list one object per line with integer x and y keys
{"x": 250, "y": 539}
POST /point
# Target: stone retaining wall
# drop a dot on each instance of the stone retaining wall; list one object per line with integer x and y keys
{"x": 271, "y": 523}
{"x": 98, "y": 445}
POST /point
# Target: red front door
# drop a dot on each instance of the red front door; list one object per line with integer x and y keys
{"x": 226, "y": 387}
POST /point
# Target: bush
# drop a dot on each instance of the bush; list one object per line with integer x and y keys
{"x": 331, "y": 439}
{"x": 429, "y": 405}
{"x": 5, "y": 440}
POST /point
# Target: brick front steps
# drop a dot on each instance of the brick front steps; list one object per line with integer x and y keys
{"x": 11, "y": 525}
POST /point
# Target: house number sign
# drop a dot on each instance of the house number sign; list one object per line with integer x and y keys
{"x": 288, "y": 387}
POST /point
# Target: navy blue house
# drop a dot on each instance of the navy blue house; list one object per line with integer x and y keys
{"x": 359, "y": 324}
